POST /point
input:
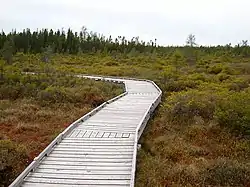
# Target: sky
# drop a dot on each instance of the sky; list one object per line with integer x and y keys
{"x": 213, "y": 22}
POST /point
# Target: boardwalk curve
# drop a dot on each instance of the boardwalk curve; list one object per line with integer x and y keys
{"x": 100, "y": 148}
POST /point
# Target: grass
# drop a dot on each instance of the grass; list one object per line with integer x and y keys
{"x": 199, "y": 135}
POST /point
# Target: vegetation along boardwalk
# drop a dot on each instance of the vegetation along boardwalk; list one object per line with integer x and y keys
{"x": 100, "y": 148}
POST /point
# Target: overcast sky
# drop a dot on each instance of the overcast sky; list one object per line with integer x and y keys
{"x": 170, "y": 21}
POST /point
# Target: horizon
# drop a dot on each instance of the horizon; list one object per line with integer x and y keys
{"x": 170, "y": 22}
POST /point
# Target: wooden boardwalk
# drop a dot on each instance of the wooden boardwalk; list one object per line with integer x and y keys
{"x": 100, "y": 148}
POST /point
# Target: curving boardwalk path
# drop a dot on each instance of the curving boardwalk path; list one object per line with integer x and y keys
{"x": 100, "y": 148}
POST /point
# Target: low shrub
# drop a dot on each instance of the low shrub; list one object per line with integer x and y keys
{"x": 215, "y": 69}
{"x": 186, "y": 105}
{"x": 227, "y": 173}
{"x": 223, "y": 77}
{"x": 238, "y": 84}
{"x": 12, "y": 158}
{"x": 233, "y": 112}
{"x": 179, "y": 85}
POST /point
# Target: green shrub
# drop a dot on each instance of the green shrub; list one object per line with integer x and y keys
{"x": 238, "y": 84}
{"x": 233, "y": 112}
{"x": 185, "y": 105}
{"x": 223, "y": 76}
{"x": 215, "y": 69}
{"x": 180, "y": 85}
{"x": 198, "y": 76}
{"x": 227, "y": 173}
{"x": 53, "y": 95}
{"x": 12, "y": 158}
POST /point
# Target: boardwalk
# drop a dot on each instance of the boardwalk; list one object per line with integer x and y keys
{"x": 100, "y": 148}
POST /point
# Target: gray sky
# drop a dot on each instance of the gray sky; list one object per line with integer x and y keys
{"x": 170, "y": 21}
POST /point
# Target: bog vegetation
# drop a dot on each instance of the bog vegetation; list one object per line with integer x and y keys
{"x": 199, "y": 136}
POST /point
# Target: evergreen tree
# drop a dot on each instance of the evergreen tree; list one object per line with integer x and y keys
{"x": 8, "y": 51}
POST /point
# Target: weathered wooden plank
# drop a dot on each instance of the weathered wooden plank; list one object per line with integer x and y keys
{"x": 117, "y": 147}
{"x": 91, "y": 168}
{"x": 38, "y": 184}
{"x": 57, "y": 155}
{"x": 84, "y": 172}
{"x": 83, "y": 163}
{"x": 106, "y": 129}
{"x": 78, "y": 177}
{"x": 110, "y": 160}
{"x": 92, "y": 152}
{"x": 106, "y": 134}
{"x": 81, "y": 133}
{"x": 99, "y": 134}
{"x": 112, "y": 135}
{"x": 119, "y": 150}
{"x": 103, "y": 139}
{"x": 87, "y": 134}
{"x": 115, "y": 122}
{"x": 33, "y": 184}
{"x": 115, "y": 143}
{"x": 76, "y": 181}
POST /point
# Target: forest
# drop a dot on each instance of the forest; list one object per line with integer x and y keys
{"x": 199, "y": 135}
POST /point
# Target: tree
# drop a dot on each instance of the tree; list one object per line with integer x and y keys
{"x": 1, "y": 71}
{"x": 47, "y": 51}
{"x": 244, "y": 43}
{"x": 8, "y": 51}
{"x": 191, "y": 40}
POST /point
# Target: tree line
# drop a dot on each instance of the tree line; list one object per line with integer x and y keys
{"x": 70, "y": 42}
{"x": 49, "y": 41}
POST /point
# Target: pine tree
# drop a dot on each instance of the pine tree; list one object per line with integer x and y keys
{"x": 8, "y": 51}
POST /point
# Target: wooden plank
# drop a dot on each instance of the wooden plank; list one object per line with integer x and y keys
{"x": 106, "y": 129}
{"x": 99, "y": 135}
{"x": 112, "y": 135}
{"x": 125, "y": 135}
{"x": 106, "y": 134}
{"x": 90, "y": 149}
{"x": 38, "y": 184}
{"x": 69, "y": 152}
{"x": 94, "y": 133}
{"x": 104, "y": 146}
{"x": 81, "y": 134}
{"x": 111, "y": 160}
{"x": 84, "y": 172}
{"x": 67, "y": 163}
{"x": 90, "y": 168}
{"x": 116, "y": 143}
{"x": 117, "y": 116}
{"x": 107, "y": 125}
{"x": 57, "y": 155}
{"x": 76, "y": 182}
{"x": 87, "y": 134}
{"x": 103, "y": 139}
{"x": 119, "y": 135}
{"x": 97, "y": 140}
{"x": 78, "y": 177}
{"x": 107, "y": 120}
{"x": 74, "y": 133}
